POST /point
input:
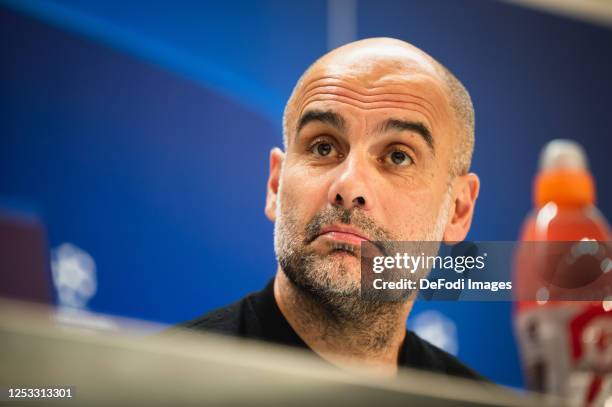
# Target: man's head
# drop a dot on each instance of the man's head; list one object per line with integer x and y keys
{"x": 378, "y": 142}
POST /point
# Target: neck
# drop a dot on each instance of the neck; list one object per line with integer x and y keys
{"x": 373, "y": 340}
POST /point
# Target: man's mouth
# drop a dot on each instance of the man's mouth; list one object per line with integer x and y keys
{"x": 343, "y": 235}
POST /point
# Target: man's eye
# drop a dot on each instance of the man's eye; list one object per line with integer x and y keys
{"x": 400, "y": 158}
{"x": 322, "y": 148}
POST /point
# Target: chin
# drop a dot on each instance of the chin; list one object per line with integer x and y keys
{"x": 339, "y": 271}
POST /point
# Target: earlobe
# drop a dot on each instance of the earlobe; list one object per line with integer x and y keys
{"x": 276, "y": 161}
{"x": 465, "y": 193}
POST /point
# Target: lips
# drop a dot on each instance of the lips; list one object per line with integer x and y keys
{"x": 343, "y": 234}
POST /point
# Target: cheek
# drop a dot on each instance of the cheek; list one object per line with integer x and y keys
{"x": 410, "y": 215}
{"x": 410, "y": 208}
{"x": 302, "y": 194}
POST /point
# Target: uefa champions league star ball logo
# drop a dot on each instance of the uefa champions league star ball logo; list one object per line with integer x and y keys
{"x": 74, "y": 276}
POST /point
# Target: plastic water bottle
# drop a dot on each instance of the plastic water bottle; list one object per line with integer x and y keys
{"x": 565, "y": 346}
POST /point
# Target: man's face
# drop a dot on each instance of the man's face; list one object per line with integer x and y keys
{"x": 368, "y": 158}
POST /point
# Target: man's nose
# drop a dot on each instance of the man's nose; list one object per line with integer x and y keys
{"x": 351, "y": 188}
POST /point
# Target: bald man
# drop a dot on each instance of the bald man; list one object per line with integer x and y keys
{"x": 378, "y": 139}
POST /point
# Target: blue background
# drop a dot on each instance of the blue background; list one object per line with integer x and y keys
{"x": 140, "y": 132}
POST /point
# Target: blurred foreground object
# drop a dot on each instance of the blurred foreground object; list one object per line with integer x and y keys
{"x": 186, "y": 368}
{"x": 24, "y": 263}
{"x": 566, "y": 345}
{"x": 593, "y": 11}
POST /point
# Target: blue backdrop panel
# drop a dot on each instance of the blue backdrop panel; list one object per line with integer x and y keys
{"x": 140, "y": 132}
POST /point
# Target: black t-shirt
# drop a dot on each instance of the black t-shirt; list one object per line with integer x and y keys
{"x": 258, "y": 317}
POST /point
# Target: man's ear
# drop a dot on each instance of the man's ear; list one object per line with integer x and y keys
{"x": 465, "y": 193}
{"x": 276, "y": 162}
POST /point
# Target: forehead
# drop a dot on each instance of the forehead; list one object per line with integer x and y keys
{"x": 408, "y": 86}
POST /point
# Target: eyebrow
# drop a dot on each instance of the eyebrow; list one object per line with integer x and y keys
{"x": 406, "y": 125}
{"x": 323, "y": 116}
{"x": 334, "y": 119}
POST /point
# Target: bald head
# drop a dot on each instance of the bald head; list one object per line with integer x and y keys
{"x": 373, "y": 63}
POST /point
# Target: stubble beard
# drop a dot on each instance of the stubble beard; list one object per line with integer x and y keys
{"x": 325, "y": 279}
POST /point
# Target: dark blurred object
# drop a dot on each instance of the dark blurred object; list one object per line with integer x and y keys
{"x": 24, "y": 263}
